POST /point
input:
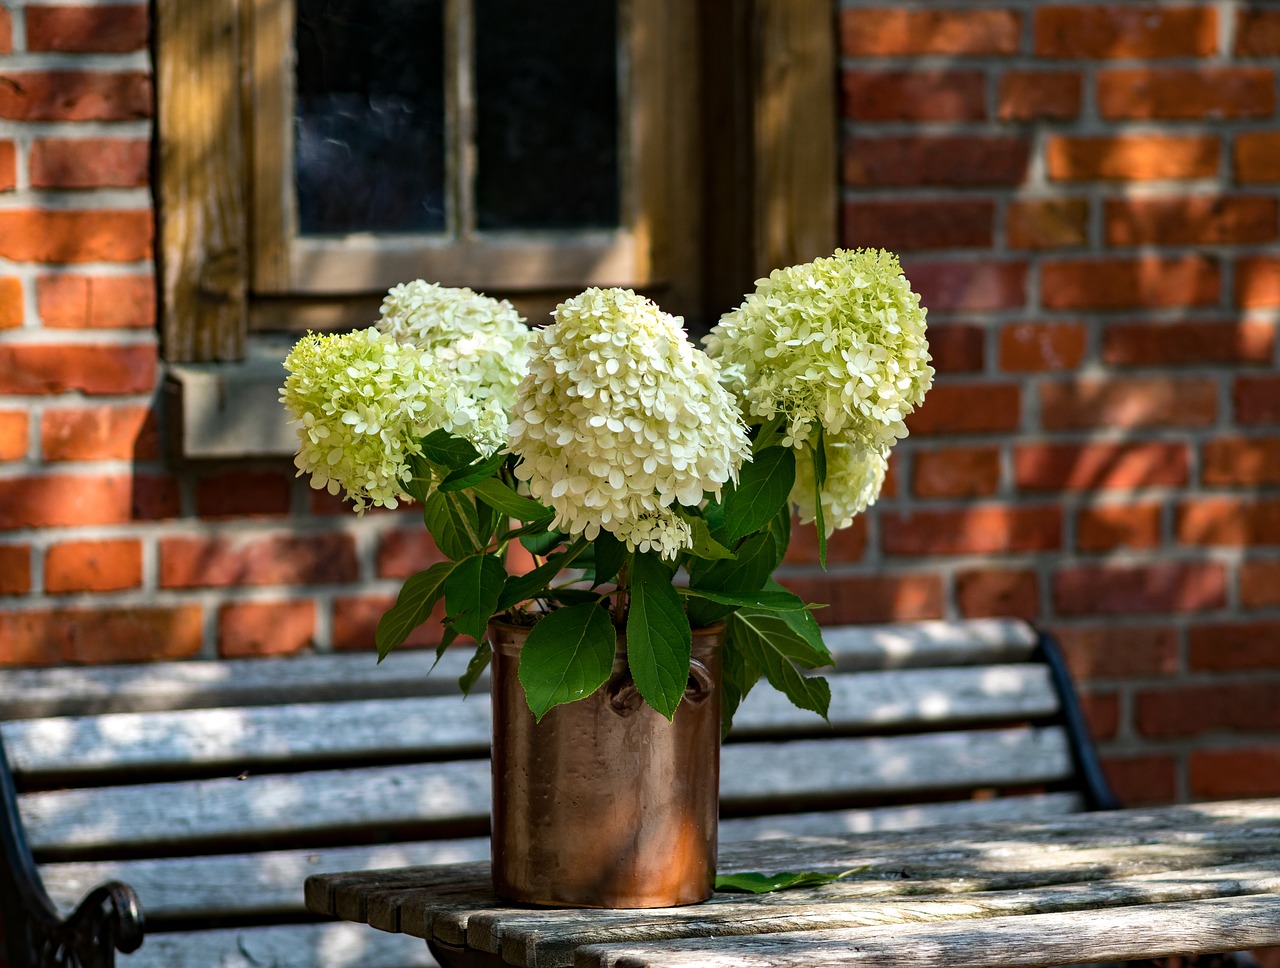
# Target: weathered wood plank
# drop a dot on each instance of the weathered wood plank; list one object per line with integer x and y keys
{"x": 283, "y": 946}
{"x": 932, "y": 643}
{"x": 446, "y": 725}
{"x": 1141, "y": 931}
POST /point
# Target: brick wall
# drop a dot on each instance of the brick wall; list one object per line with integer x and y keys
{"x": 1085, "y": 194}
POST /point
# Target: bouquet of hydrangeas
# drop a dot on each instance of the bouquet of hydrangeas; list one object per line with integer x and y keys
{"x": 652, "y": 481}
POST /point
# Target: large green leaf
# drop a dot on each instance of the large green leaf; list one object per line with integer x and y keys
{"x": 659, "y": 641}
{"x": 418, "y": 595}
{"x": 473, "y": 473}
{"x": 499, "y": 496}
{"x": 541, "y": 543}
{"x": 740, "y": 676}
{"x": 610, "y": 554}
{"x": 756, "y": 882}
{"x": 471, "y": 593}
{"x": 519, "y": 588}
{"x": 775, "y": 645}
{"x": 568, "y": 655}
{"x": 763, "y": 486}
{"x": 780, "y": 528}
{"x": 422, "y": 480}
{"x": 705, "y": 546}
{"x": 452, "y": 520}
{"x": 747, "y": 573}
{"x": 778, "y": 601}
{"x": 448, "y": 451}
{"x": 475, "y": 668}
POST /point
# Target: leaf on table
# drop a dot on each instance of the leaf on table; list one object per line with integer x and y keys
{"x": 755, "y": 882}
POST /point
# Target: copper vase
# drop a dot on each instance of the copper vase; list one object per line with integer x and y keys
{"x": 605, "y": 803}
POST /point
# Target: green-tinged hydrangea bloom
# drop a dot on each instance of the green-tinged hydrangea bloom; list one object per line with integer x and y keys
{"x": 621, "y": 419}
{"x": 482, "y": 342}
{"x": 854, "y": 478}
{"x": 838, "y": 341}
{"x": 362, "y": 401}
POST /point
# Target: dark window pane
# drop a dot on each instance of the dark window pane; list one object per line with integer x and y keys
{"x": 547, "y": 105}
{"x": 369, "y": 117}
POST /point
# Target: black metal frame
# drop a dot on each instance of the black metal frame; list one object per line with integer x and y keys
{"x": 109, "y": 919}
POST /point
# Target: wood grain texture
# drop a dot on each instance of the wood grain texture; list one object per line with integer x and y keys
{"x": 281, "y": 946}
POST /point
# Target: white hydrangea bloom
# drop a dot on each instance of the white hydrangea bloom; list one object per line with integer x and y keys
{"x": 854, "y": 478}
{"x": 620, "y": 419}
{"x": 839, "y": 341}
{"x": 362, "y": 401}
{"x": 483, "y": 342}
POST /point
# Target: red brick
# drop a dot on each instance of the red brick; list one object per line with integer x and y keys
{"x": 1087, "y": 403}
{"x": 1258, "y": 282}
{"x": 8, "y": 166}
{"x": 6, "y": 31}
{"x": 95, "y": 370}
{"x": 54, "y": 235}
{"x": 893, "y": 32}
{"x": 957, "y": 472}
{"x": 1117, "y": 652}
{"x": 355, "y": 621}
{"x": 1259, "y": 583}
{"x": 14, "y": 434}
{"x": 109, "y": 29}
{"x": 1211, "y": 93}
{"x": 1102, "y": 713}
{"x": 235, "y": 494}
{"x": 1189, "y": 343}
{"x": 99, "y": 635}
{"x": 878, "y": 598}
{"x": 1256, "y": 399}
{"x": 15, "y": 569}
{"x": 1192, "y": 220}
{"x": 1142, "y": 779}
{"x": 975, "y": 529}
{"x": 917, "y": 95}
{"x": 910, "y": 160}
{"x": 1107, "y": 527}
{"x": 96, "y": 302}
{"x": 1240, "y": 461}
{"x": 265, "y": 628}
{"x": 1257, "y": 32}
{"x": 11, "y": 311}
{"x": 75, "y": 95}
{"x": 93, "y": 566}
{"x": 1146, "y": 281}
{"x": 997, "y": 592}
{"x": 99, "y": 433}
{"x": 938, "y": 223}
{"x": 1231, "y": 773}
{"x": 1139, "y": 589}
{"x": 1195, "y": 709}
{"x": 973, "y": 408}
{"x": 1142, "y": 30}
{"x": 845, "y": 546}
{"x": 1039, "y": 96}
{"x": 1227, "y": 646}
{"x": 405, "y": 553}
{"x": 256, "y": 559}
{"x": 1257, "y": 156}
{"x": 1101, "y": 465}
{"x": 90, "y": 162}
{"x": 1047, "y": 223}
{"x": 950, "y": 287}
{"x": 957, "y": 347}
{"x": 1037, "y": 347}
{"x": 1131, "y": 157}
{"x": 1229, "y": 521}
{"x": 70, "y": 500}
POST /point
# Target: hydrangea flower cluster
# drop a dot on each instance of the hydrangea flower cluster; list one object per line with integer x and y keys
{"x": 621, "y": 419}
{"x": 362, "y": 401}
{"x": 854, "y": 478}
{"x": 482, "y": 342}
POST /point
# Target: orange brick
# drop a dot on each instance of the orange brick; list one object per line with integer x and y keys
{"x": 1137, "y": 589}
{"x": 75, "y": 95}
{"x": 1102, "y": 713}
{"x": 1039, "y": 95}
{"x": 1087, "y": 403}
{"x": 908, "y": 160}
{"x": 71, "y": 500}
{"x": 96, "y": 302}
{"x": 15, "y": 569}
{"x": 255, "y": 559}
{"x": 93, "y": 566}
{"x": 1257, "y": 156}
{"x": 95, "y": 370}
{"x": 977, "y": 529}
{"x": 1257, "y": 32}
{"x": 99, "y": 635}
{"x": 90, "y": 162}
{"x": 265, "y": 628}
{"x": 951, "y": 408}
{"x": 1142, "y": 779}
{"x": 1258, "y": 282}
{"x": 1189, "y": 343}
{"x": 55, "y": 235}
{"x": 1194, "y": 220}
{"x": 11, "y": 311}
{"x": 1146, "y": 281}
{"x": 918, "y": 95}
{"x": 953, "y": 287}
{"x": 1107, "y": 527}
{"x": 997, "y": 592}
{"x": 236, "y": 493}
{"x": 1229, "y": 646}
{"x": 99, "y": 433}
{"x": 843, "y": 547}
{"x": 1112, "y": 652}
{"x": 1231, "y": 773}
{"x": 405, "y": 553}
{"x": 1229, "y": 521}
{"x": 14, "y": 435}
{"x": 8, "y": 166}
{"x": 894, "y": 32}
{"x": 1038, "y": 347}
{"x": 957, "y": 347}
{"x": 1240, "y": 461}
{"x": 111, "y": 28}
{"x": 957, "y": 472}
{"x": 1260, "y": 583}
{"x": 879, "y": 598}
{"x": 1141, "y": 30}
{"x": 1131, "y": 157}
{"x": 937, "y": 223}
{"x": 6, "y": 31}
{"x": 1256, "y": 399}
{"x": 1100, "y": 466}
{"x": 1047, "y": 223}
{"x": 355, "y": 620}
{"x": 1211, "y": 93}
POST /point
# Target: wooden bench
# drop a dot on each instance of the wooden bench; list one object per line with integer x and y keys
{"x": 214, "y": 789}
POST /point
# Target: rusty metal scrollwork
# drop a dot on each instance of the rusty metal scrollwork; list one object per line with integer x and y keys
{"x": 108, "y": 920}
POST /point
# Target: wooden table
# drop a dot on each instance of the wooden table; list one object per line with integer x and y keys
{"x": 1088, "y": 887}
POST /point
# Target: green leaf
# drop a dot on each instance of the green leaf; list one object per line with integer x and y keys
{"x": 610, "y": 554}
{"x": 819, "y": 446}
{"x": 499, "y": 496}
{"x": 473, "y": 473}
{"x": 775, "y": 645}
{"x": 542, "y": 543}
{"x": 448, "y": 450}
{"x": 475, "y": 668}
{"x": 471, "y": 593}
{"x": 780, "y": 528}
{"x": 820, "y": 524}
{"x": 519, "y": 588}
{"x": 423, "y": 479}
{"x": 740, "y": 676}
{"x": 763, "y": 486}
{"x": 770, "y": 434}
{"x": 574, "y": 596}
{"x": 747, "y": 573}
{"x": 447, "y": 639}
{"x": 487, "y": 521}
{"x": 755, "y": 882}
{"x": 659, "y": 641}
{"x": 778, "y": 601}
{"x": 568, "y": 655}
{"x": 453, "y": 523}
{"x": 418, "y": 596}
{"x": 705, "y": 546}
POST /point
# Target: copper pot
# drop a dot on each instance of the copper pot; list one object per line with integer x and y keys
{"x": 605, "y": 803}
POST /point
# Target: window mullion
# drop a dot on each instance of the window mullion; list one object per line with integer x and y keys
{"x": 460, "y": 60}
